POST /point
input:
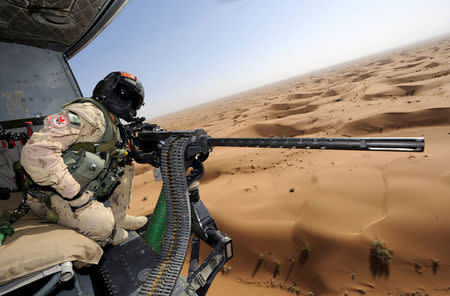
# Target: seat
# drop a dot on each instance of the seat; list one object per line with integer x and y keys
{"x": 35, "y": 246}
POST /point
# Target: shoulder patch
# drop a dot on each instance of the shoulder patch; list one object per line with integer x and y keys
{"x": 58, "y": 120}
{"x": 74, "y": 118}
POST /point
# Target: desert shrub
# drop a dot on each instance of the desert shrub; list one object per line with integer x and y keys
{"x": 277, "y": 268}
{"x": 304, "y": 255}
{"x": 435, "y": 265}
{"x": 259, "y": 263}
{"x": 261, "y": 256}
{"x": 380, "y": 259}
{"x": 418, "y": 267}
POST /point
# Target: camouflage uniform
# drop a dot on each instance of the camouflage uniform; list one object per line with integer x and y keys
{"x": 41, "y": 158}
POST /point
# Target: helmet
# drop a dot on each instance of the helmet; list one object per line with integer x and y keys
{"x": 121, "y": 93}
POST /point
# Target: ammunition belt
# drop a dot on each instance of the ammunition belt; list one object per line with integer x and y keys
{"x": 164, "y": 274}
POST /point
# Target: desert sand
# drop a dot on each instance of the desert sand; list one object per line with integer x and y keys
{"x": 316, "y": 213}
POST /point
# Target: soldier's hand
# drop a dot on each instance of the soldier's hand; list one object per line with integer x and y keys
{"x": 81, "y": 200}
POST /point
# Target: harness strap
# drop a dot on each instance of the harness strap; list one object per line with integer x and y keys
{"x": 94, "y": 147}
{"x": 77, "y": 196}
{"x": 91, "y": 198}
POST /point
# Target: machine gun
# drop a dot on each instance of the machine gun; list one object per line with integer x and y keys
{"x": 146, "y": 140}
{"x": 180, "y": 212}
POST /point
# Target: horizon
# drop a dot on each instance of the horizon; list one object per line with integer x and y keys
{"x": 410, "y": 46}
{"x": 224, "y": 48}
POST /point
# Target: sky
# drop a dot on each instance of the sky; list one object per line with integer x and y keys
{"x": 189, "y": 52}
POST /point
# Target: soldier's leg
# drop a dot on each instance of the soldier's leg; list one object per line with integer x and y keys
{"x": 94, "y": 220}
{"x": 38, "y": 208}
{"x": 119, "y": 202}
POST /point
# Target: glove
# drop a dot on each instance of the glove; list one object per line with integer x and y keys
{"x": 80, "y": 200}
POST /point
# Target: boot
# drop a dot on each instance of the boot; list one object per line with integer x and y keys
{"x": 131, "y": 222}
{"x": 120, "y": 235}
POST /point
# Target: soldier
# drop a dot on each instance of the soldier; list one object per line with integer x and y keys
{"x": 83, "y": 136}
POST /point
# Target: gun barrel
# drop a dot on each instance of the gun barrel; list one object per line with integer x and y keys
{"x": 380, "y": 144}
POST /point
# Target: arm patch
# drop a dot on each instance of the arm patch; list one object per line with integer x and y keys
{"x": 74, "y": 118}
{"x": 58, "y": 120}
{"x": 63, "y": 119}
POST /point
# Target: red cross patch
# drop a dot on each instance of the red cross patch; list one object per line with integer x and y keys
{"x": 58, "y": 120}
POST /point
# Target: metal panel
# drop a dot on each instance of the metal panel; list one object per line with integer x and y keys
{"x": 105, "y": 17}
{"x": 34, "y": 82}
{"x": 65, "y": 25}
{"x": 44, "y": 23}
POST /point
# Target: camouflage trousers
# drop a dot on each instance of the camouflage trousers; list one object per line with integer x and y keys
{"x": 95, "y": 220}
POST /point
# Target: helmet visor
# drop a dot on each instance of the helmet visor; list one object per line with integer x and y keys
{"x": 130, "y": 91}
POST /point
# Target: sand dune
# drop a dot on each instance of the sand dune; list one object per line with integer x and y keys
{"x": 333, "y": 204}
{"x": 330, "y": 93}
{"x": 385, "y": 90}
{"x": 397, "y": 120}
{"x": 304, "y": 95}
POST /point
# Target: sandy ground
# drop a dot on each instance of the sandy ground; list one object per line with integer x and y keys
{"x": 280, "y": 203}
